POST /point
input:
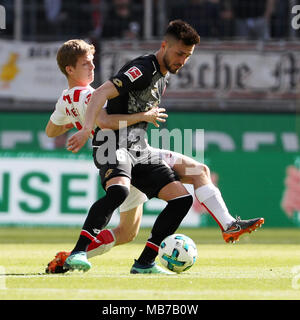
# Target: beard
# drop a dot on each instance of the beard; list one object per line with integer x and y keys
{"x": 171, "y": 68}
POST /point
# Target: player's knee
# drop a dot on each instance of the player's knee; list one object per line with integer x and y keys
{"x": 200, "y": 169}
{"x": 200, "y": 173}
{"x": 203, "y": 169}
{"x": 117, "y": 194}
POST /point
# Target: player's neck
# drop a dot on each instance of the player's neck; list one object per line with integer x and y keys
{"x": 159, "y": 58}
{"x": 73, "y": 84}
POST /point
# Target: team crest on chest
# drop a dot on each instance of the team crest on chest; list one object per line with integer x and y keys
{"x": 133, "y": 73}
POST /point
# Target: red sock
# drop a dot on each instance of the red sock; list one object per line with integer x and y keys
{"x": 104, "y": 241}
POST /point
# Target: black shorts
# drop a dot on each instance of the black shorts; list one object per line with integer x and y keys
{"x": 147, "y": 171}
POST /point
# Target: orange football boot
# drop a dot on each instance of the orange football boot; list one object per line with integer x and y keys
{"x": 239, "y": 227}
{"x": 56, "y": 265}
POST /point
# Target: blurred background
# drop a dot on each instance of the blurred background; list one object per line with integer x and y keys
{"x": 241, "y": 87}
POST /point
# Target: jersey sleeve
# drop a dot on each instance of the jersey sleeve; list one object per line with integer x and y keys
{"x": 59, "y": 116}
{"x": 133, "y": 77}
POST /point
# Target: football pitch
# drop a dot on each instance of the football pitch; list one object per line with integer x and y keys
{"x": 264, "y": 265}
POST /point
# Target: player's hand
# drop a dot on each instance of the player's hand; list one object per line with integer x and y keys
{"x": 291, "y": 198}
{"x": 155, "y": 114}
{"x": 77, "y": 140}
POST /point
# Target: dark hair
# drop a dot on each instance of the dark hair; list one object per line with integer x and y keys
{"x": 181, "y": 30}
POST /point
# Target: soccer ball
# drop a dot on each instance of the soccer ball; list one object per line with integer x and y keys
{"x": 177, "y": 252}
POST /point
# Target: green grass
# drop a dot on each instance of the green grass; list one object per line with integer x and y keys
{"x": 259, "y": 266}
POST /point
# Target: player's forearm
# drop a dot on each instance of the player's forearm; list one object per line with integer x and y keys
{"x": 118, "y": 121}
{"x": 92, "y": 112}
{"x": 99, "y": 97}
{"x": 52, "y": 130}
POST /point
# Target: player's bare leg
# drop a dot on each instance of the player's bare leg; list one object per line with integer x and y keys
{"x": 198, "y": 174}
{"x": 129, "y": 225}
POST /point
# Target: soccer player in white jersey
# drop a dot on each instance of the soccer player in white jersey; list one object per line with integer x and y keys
{"x": 75, "y": 60}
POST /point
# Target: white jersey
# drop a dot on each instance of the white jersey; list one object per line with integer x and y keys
{"x": 71, "y": 106}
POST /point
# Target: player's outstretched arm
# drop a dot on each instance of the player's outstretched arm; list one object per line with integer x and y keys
{"x": 53, "y": 130}
{"x": 118, "y": 121}
{"x": 105, "y": 92}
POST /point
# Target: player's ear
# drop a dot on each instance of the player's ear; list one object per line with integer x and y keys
{"x": 164, "y": 45}
{"x": 69, "y": 70}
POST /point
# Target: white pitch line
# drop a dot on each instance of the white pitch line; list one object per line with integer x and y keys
{"x": 200, "y": 293}
{"x": 104, "y": 291}
{"x": 204, "y": 275}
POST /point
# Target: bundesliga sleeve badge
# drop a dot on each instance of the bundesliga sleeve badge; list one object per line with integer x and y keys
{"x": 133, "y": 73}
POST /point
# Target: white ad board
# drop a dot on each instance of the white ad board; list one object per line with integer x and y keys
{"x": 28, "y": 71}
{"x": 58, "y": 191}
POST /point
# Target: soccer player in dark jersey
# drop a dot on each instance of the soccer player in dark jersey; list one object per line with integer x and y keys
{"x": 124, "y": 158}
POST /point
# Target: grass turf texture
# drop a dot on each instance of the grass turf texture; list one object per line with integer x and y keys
{"x": 259, "y": 266}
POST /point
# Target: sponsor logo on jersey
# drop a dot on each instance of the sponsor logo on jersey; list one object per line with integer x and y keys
{"x": 133, "y": 73}
{"x": 108, "y": 173}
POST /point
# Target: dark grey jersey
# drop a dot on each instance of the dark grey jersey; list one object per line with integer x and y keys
{"x": 141, "y": 86}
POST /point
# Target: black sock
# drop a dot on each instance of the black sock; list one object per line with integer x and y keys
{"x": 166, "y": 224}
{"x": 82, "y": 243}
{"x": 100, "y": 214}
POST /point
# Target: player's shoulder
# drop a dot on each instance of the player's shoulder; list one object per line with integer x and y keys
{"x": 141, "y": 66}
{"x": 80, "y": 93}
{"x": 145, "y": 60}
{"x": 139, "y": 71}
{"x": 61, "y": 99}
{"x": 77, "y": 94}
